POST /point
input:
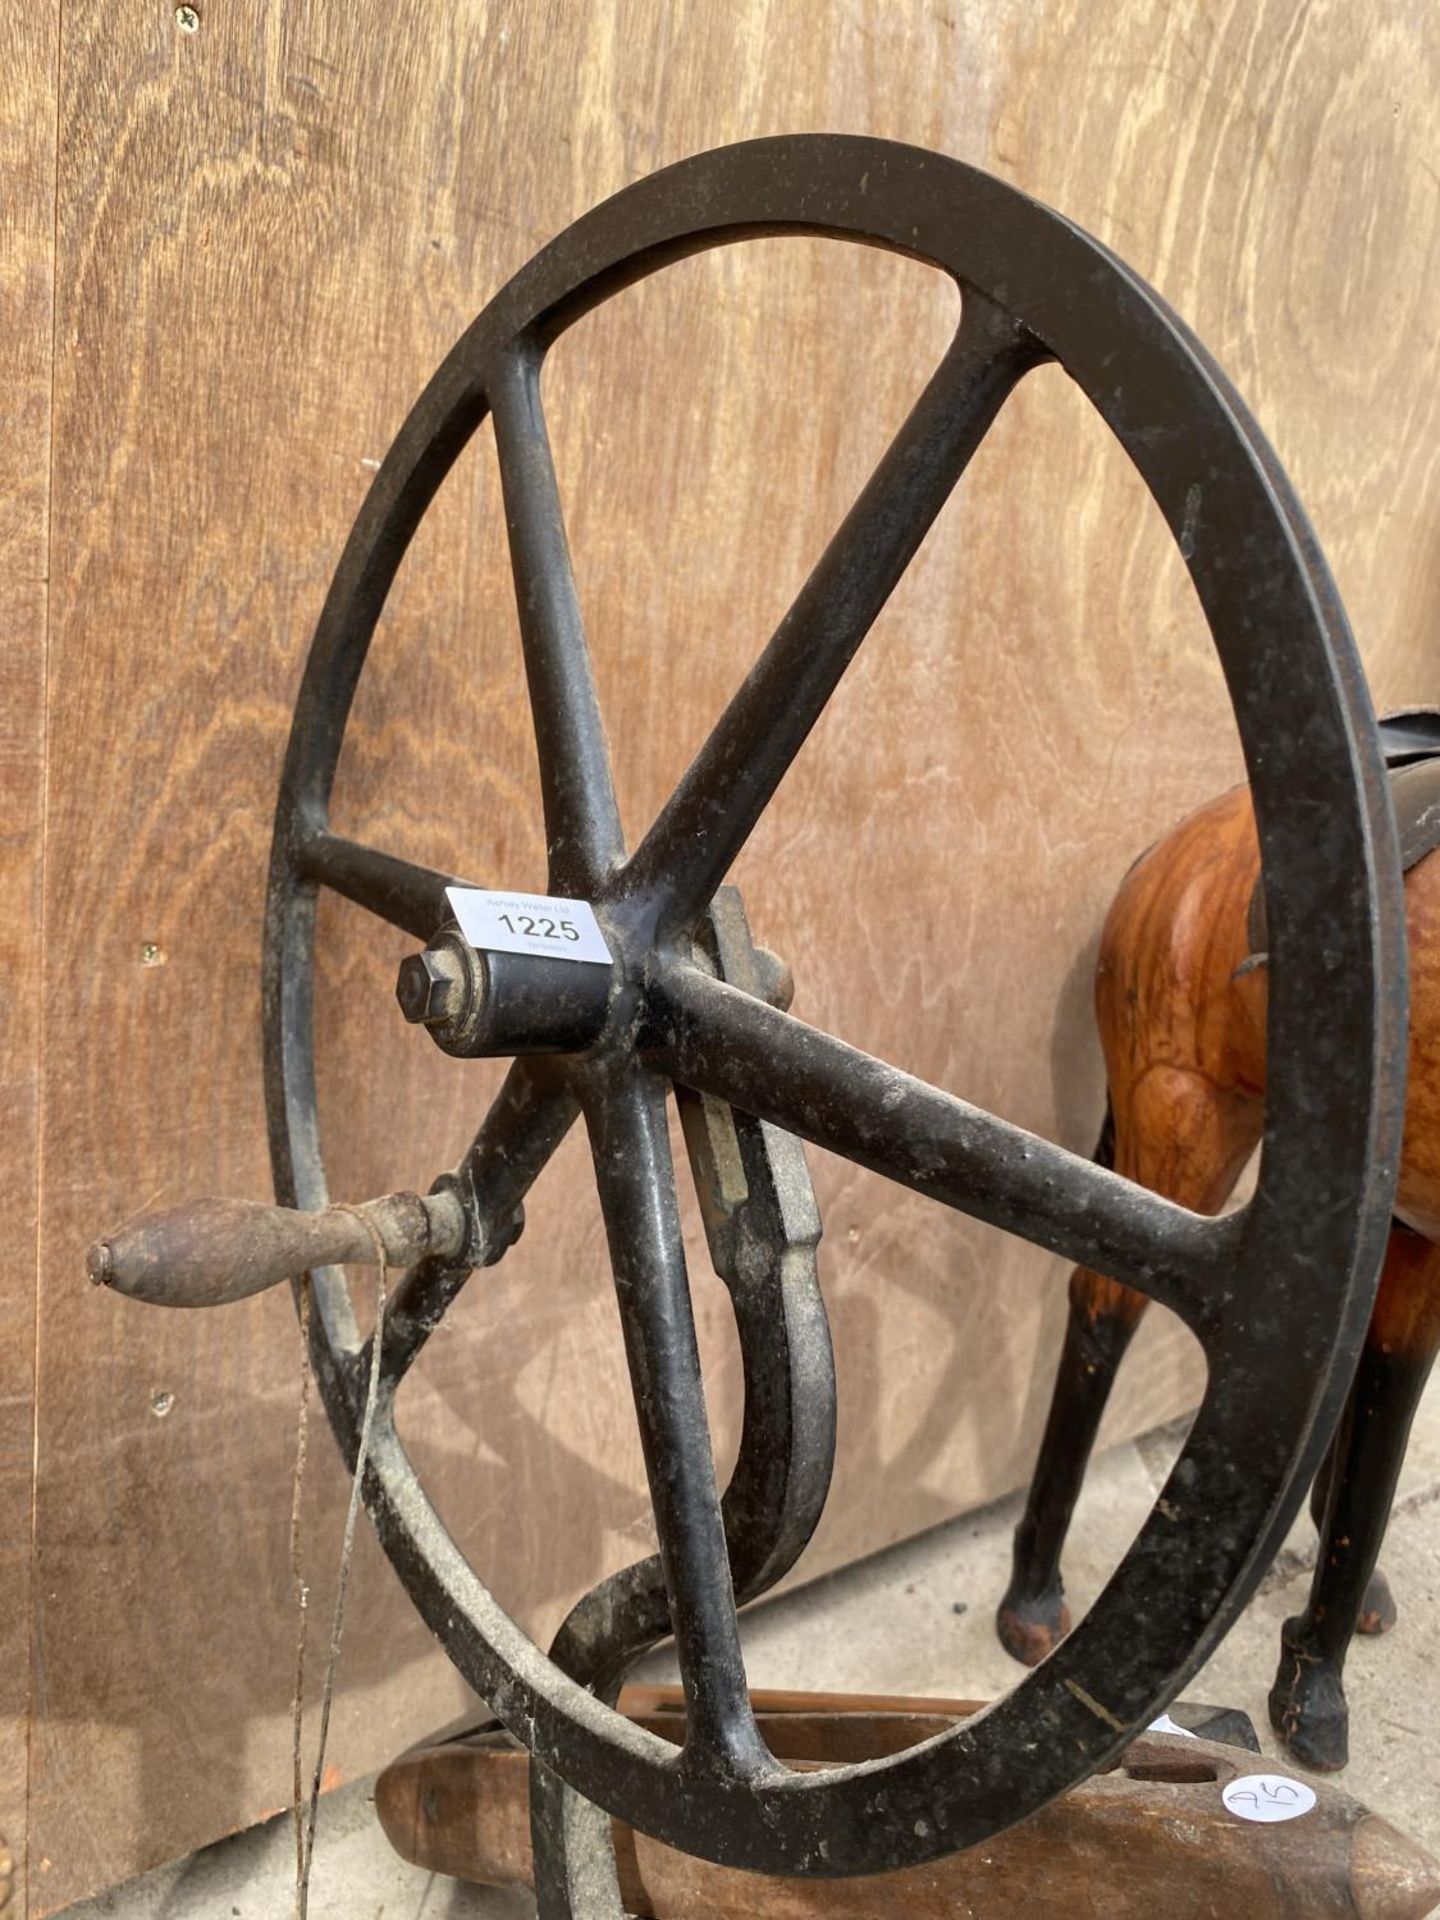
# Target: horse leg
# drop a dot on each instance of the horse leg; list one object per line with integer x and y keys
{"x": 1103, "y": 1317}
{"x": 1183, "y": 1137}
{"x": 1307, "y": 1702}
{"x": 1377, "y": 1610}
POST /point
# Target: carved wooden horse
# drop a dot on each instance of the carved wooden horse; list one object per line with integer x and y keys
{"x": 1181, "y": 1002}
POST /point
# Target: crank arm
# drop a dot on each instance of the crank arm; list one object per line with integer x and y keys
{"x": 762, "y": 1226}
{"x": 212, "y": 1252}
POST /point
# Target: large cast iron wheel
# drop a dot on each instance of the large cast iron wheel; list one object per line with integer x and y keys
{"x": 1277, "y": 1294}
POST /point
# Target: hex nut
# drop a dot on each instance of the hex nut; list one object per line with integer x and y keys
{"x": 430, "y": 987}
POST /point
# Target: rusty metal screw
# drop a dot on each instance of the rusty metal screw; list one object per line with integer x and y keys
{"x": 430, "y": 987}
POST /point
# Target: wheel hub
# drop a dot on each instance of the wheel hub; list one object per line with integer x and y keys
{"x": 483, "y": 1003}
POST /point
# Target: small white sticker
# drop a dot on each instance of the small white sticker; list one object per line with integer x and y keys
{"x": 1166, "y": 1725}
{"x": 1268, "y": 1798}
{"x": 529, "y": 923}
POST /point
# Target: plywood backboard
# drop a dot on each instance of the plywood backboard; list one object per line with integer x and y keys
{"x": 27, "y": 237}
{"x": 265, "y": 234}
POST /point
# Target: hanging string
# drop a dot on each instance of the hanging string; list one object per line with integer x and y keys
{"x": 302, "y": 1604}
{"x": 305, "y": 1829}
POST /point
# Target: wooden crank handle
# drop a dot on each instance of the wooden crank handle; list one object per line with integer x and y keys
{"x": 211, "y": 1252}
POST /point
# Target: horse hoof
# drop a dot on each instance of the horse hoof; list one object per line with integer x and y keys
{"x": 1029, "y": 1629}
{"x": 1377, "y": 1610}
{"x": 1307, "y": 1707}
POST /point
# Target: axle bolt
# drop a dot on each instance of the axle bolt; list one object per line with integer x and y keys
{"x": 430, "y": 986}
{"x": 777, "y": 982}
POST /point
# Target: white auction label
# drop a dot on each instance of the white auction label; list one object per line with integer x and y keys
{"x": 529, "y": 923}
{"x": 1268, "y": 1797}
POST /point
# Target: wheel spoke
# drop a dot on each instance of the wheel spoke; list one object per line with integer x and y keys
{"x": 707, "y": 1036}
{"x": 408, "y": 896}
{"x": 582, "y": 820}
{"x": 636, "y": 1180}
{"x": 533, "y": 1112}
{"x": 706, "y": 821}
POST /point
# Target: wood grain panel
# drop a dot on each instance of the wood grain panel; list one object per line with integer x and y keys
{"x": 27, "y": 236}
{"x": 269, "y": 231}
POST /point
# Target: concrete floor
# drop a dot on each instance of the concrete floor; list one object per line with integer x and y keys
{"x": 918, "y": 1619}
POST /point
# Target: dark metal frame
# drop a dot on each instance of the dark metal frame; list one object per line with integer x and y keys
{"x": 1277, "y": 1294}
